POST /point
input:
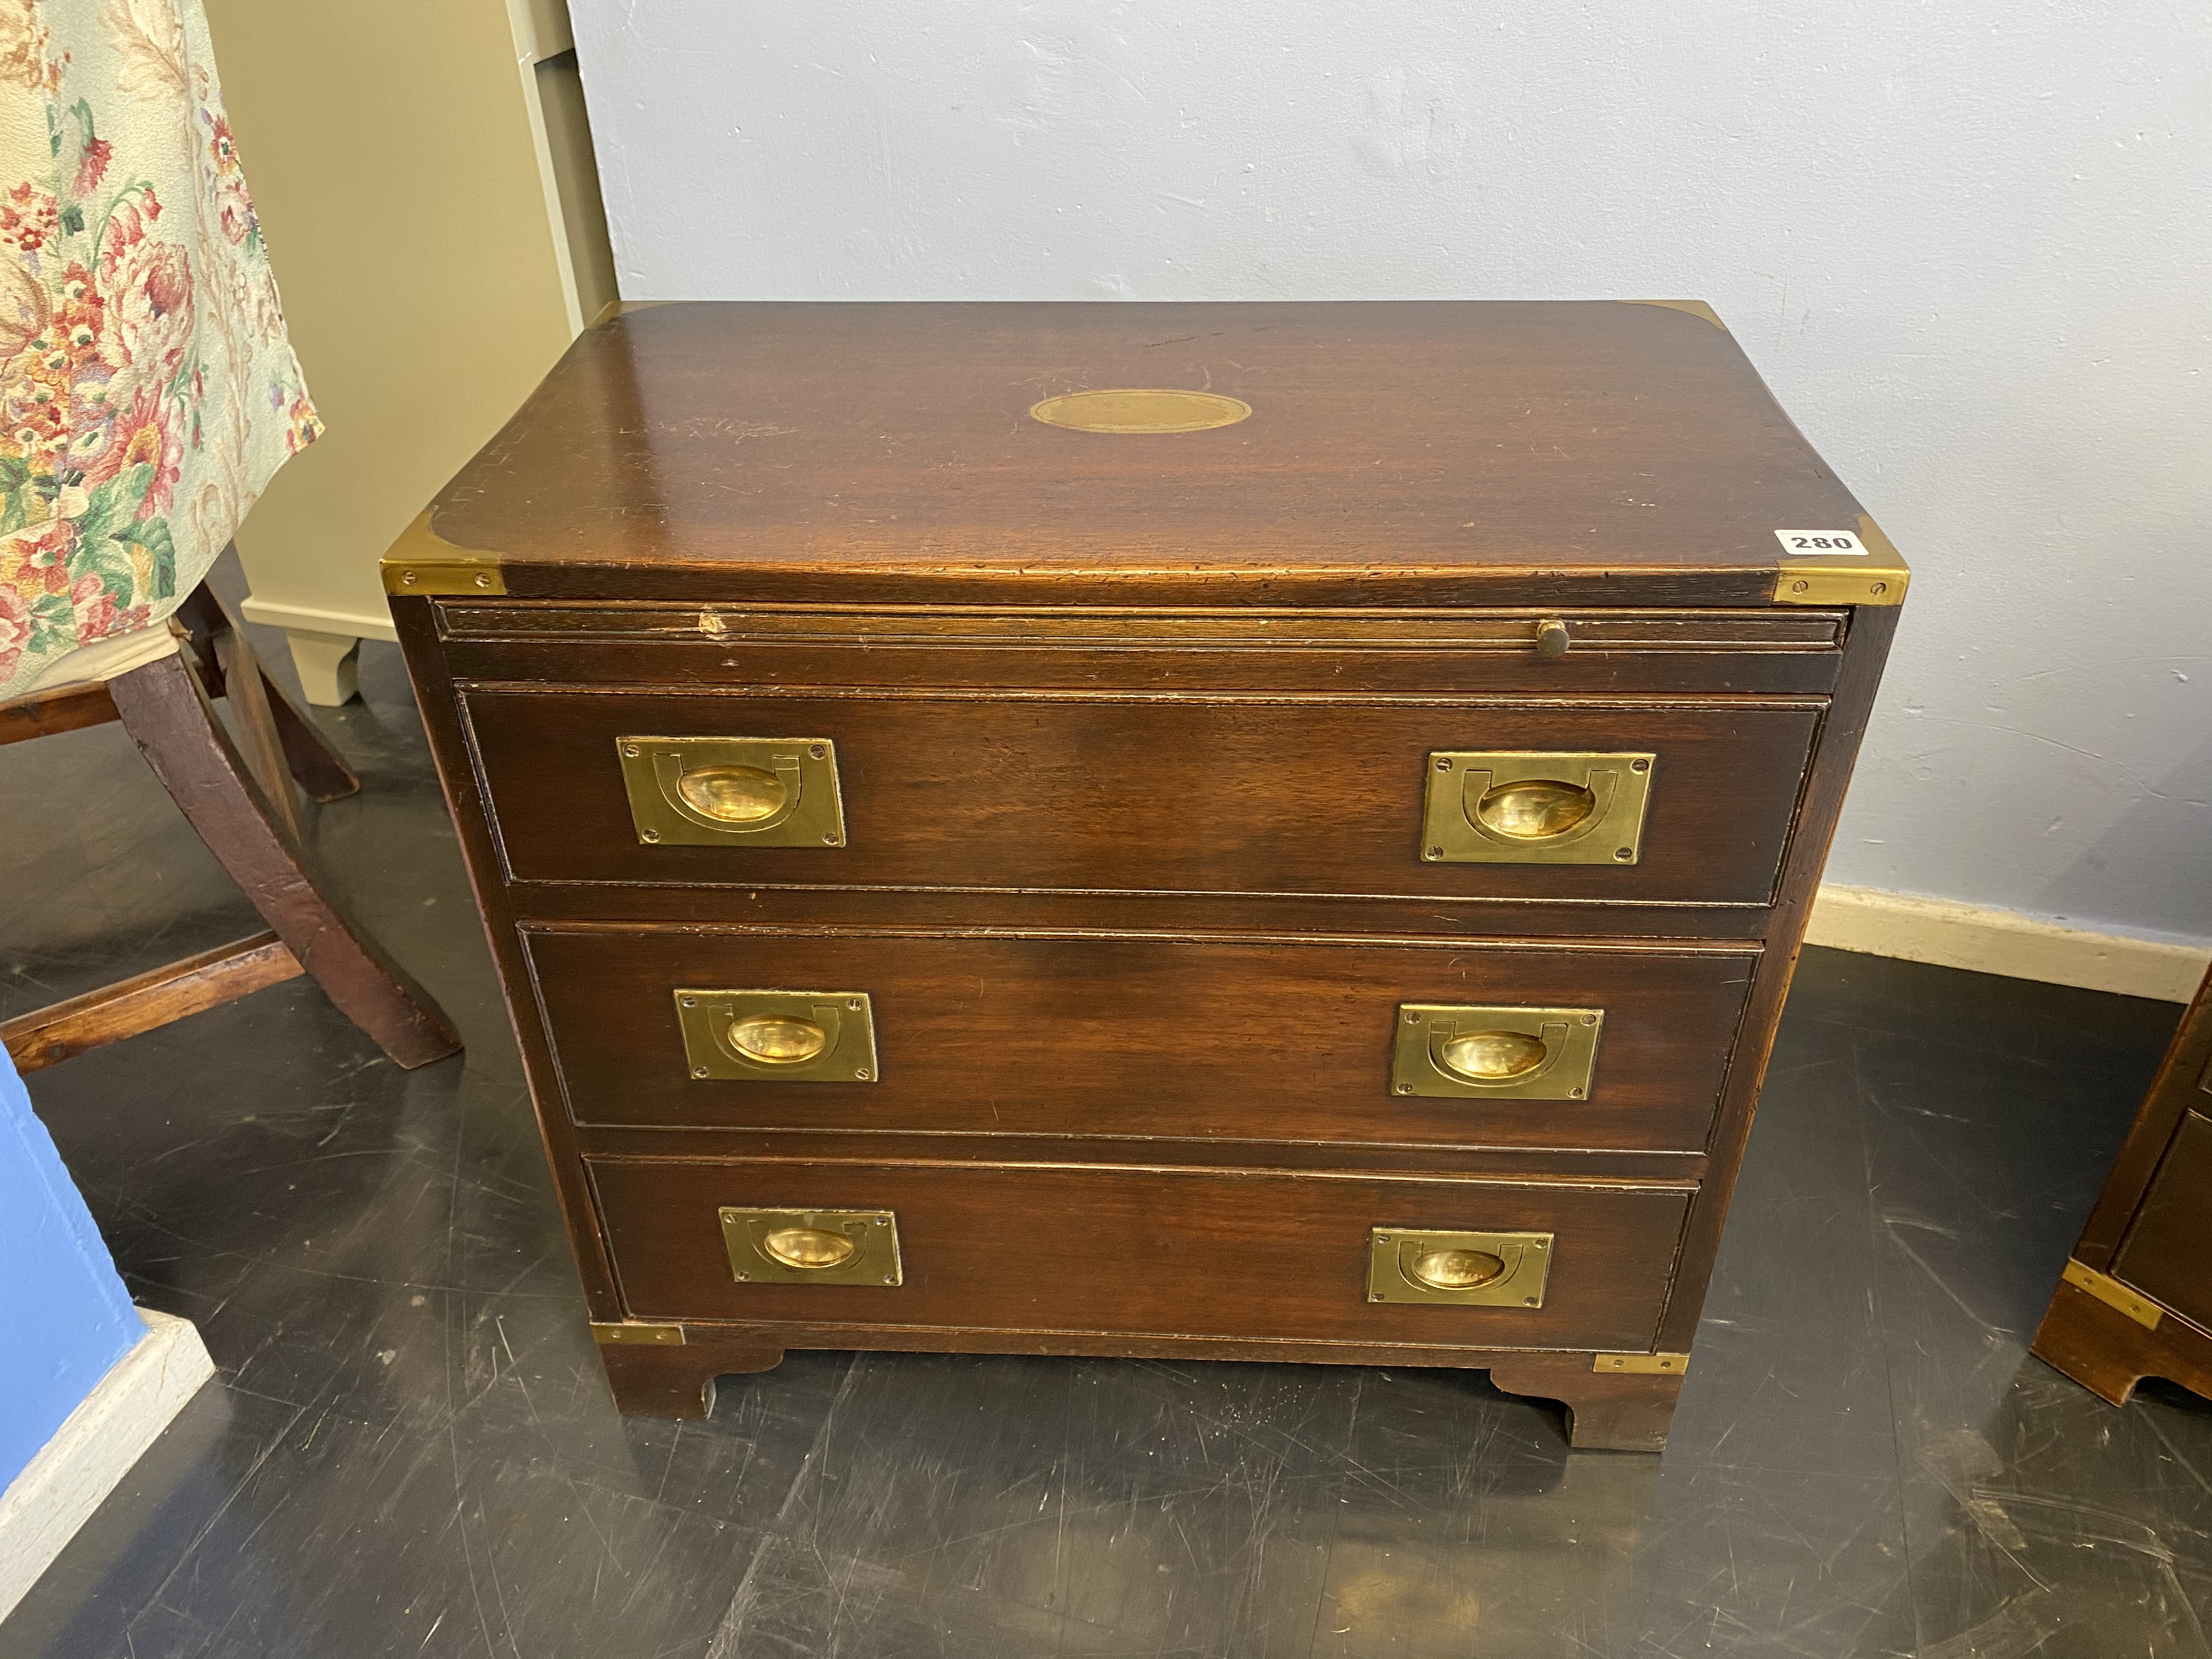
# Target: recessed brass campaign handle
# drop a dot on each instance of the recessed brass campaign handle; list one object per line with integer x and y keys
{"x": 1485, "y": 1270}
{"x": 1470, "y": 1051}
{"x": 811, "y": 1246}
{"x": 777, "y": 1037}
{"x": 1530, "y": 806}
{"x": 716, "y": 791}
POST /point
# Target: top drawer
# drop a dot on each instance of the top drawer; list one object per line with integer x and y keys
{"x": 1577, "y": 799}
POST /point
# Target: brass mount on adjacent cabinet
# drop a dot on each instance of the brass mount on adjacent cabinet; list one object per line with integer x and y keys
{"x": 1485, "y": 1270}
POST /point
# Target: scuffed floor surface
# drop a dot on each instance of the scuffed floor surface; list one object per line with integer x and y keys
{"x": 410, "y": 1452}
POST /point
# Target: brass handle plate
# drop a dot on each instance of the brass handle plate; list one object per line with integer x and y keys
{"x": 1467, "y": 1051}
{"x": 1467, "y": 1270}
{"x": 811, "y": 1246}
{"x": 732, "y": 792}
{"x": 777, "y": 1037}
{"x": 1533, "y": 806}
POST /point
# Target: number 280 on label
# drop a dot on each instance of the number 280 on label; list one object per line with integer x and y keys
{"x": 1830, "y": 542}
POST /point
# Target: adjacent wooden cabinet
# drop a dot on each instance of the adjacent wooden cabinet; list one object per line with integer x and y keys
{"x": 1244, "y": 831}
{"x": 2136, "y": 1299}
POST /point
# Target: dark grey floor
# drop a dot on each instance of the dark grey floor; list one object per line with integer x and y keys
{"x": 410, "y": 1452}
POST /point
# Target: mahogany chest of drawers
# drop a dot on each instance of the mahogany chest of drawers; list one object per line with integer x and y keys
{"x": 1250, "y": 831}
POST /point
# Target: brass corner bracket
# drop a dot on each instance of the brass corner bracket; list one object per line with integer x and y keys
{"x": 1880, "y": 578}
{"x": 423, "y": 562}
{"x": 615, "y": 309}
{"x": 2114, "y": 1294}
{"x": 632, "y": 1333}
{"x": 1694, "y": 307}
{"x": 1646, "y": 1364}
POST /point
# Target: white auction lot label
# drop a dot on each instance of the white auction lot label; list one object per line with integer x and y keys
{"x": 1831, "y": 542}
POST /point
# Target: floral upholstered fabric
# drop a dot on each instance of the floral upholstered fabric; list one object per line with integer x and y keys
{"x": 148, "y": 391}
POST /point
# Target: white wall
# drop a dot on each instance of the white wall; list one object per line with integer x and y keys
{"x": 1969, "y": 245}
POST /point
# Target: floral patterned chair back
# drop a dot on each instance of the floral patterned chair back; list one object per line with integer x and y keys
{"x": 148, "y": 390}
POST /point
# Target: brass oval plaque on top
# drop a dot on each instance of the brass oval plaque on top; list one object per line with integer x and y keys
{"x": 1138, "y": 410}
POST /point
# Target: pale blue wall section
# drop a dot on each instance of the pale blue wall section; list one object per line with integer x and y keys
{"x": 65, "y": 1312}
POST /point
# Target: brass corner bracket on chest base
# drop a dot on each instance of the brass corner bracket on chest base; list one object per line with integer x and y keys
{"x": 423, "y": 562}
{"x": 635, "y": 1333}
{"x": 1641, "y": 1364}
{"x": 2114, "y": 1294}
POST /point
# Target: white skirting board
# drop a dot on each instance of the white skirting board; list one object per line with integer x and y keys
{"x": 94, "y": 1448}
{"x": 1989, "y": 940}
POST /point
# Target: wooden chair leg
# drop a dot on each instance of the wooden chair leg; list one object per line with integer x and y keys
{"x": 306, "y": 754}
{"x": 255, "y": 730}
{"x": 217, "y": 641}
{"x": 167, "y": 712}
{"x": 48, "y": 1036}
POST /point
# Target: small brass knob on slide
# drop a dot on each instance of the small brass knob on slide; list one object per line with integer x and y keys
{"x": 1552, "y": 638}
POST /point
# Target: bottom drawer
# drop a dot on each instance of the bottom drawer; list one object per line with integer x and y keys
{"x": 1154, "y": 1252}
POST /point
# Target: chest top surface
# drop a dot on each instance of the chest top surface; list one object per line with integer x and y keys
{"x": 1562, "y": 438}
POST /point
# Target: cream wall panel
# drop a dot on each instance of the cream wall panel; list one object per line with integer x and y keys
{"x": 403, "y": 179}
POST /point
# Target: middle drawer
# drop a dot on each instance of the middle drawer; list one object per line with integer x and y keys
{"x": 1414, "y": 1042}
